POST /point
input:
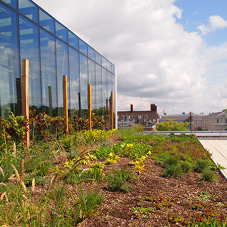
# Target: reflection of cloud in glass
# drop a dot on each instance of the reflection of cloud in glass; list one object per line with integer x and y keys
{"x": 51, "y": 45}
{"x": 6, "y": 52}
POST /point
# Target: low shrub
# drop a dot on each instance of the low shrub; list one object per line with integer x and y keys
{"x": 201, "y": 165}
{"x": 208, "y": 175}
{"x": 172, "y": 171}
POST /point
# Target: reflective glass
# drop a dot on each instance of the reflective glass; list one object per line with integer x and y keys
{"x": 74, "y": 80}
{"x": 29, "y": 49}
{"x": 62, "y": 69}
{"x": 46, "y": 21}
{"x": 48, "y": 73}
{"x": 103, "y": 62}
{"x": 91, "y": 53}
{"x": 91, "y": 73}
{"x": 83, "y": 85}
{"x": 108, "y": 65}
{"x": 98, "y": 58}
{"x": 61, "y": 31}
{"x": 105, "y": 91}
{"x": 82, "y": 47}
{"x": 9, "y": 63}
{"x": 73, "y": 40}
{"x": 98, "y": 91}
{"x": 12, "y": 3}
{"x": 29, "y": 9}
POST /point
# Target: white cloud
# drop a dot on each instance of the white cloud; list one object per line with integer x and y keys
{"x": 157, "y": 60}
{"x": 214, "y": 22}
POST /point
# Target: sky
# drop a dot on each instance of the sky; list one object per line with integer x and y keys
{"x": 172, "y": 53}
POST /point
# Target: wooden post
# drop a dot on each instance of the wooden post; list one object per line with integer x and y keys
{"x": 25, "y": 106}
{"x": 111, "y": 108}
{"x": 65, "y": 102}
{"x": 89, "y": 105}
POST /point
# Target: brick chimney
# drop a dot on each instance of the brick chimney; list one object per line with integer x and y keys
{"x": 131, "y": 108}
{"x": 152, "y": 107}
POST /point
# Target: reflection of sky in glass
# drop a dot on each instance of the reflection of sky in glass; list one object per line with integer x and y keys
{"x": 61, "y": 31}
{"x": 29, "y": 9}
{"x": 29, "y": 49}
{"x": 12, "y": 3}
{"x": 62, "y": 69}
{"x": 91, "y": 73}
{"x": 74, "y": 78}
{"x": 91, "y": 53}
{"x": 9, "y": 60}
{"x": 98, "y": 87}
{"x": 73, "y": 40}
{"x": 83, "y": 81}
{"x": 98, "y": 58}
{"x": 46, "y": 21}
{"x": 82, "y": 47}
{"x": 48, "y": 69}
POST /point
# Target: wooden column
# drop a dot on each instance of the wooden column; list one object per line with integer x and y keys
{"x": 111, "y": 110}
{"x": 89, "y": 105}
{"x": 65, "y": 102}
{"x": 25, "y": 106}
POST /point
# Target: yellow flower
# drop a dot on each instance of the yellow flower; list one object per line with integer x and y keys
{"x": 143, "y": 157}
{"x": 122, "y": 146}
{"x": 149, "y": 153}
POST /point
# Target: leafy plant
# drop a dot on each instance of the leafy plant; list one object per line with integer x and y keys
{"x": 201, "y": 165}
{"x": 208, "y": 175}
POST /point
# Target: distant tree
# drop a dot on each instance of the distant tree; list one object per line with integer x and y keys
{"x": 170, "y": 125}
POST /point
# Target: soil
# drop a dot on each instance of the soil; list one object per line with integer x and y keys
{"x": 172, "y": 201}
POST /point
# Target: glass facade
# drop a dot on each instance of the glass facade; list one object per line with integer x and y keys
{"x": 28, "y": 32}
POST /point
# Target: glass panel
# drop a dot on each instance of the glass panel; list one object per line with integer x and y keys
{"x": 73, "y": 40}
{"x": 12, "y": 3}
{"x": 83, "y": 85}
{"x": 98, "y": 91}
{"x": 82, "y": 47}
{"x": 112, "y": 69}
{"x": 108, "y": 65}
{"x": 10, "y": 86}
{"x": 29, "y": 9}
{"x": 62, "y": 69}
{"x": 29, "y": 49}
{"x": 61, "y": 31}
{"x": 74, "y": 80}
{"x": 105, "y": 92}
{"x": 46, "y": 21}
{"x": 91, "y": 53}
{"x": 103, "y": 62}
{"x": 98, "y": 58}
{"x": 48, "y": 73}
{"x": 91, "y": 73}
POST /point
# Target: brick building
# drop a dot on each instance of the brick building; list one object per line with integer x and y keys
{"x": 147, "y": 118}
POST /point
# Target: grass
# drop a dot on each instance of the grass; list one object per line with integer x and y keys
{"x": 46, "y": 194}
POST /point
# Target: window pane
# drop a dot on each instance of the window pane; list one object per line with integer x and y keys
{"x": 46, "y": 21}
{"x": 98, "y": 91}
{"x": 12, "y": 3}
{"x": 91, "y": 53}
{"x": 62, "y": 69}
{"x": 98, "y": 58}
{"x": 91, "y": 73}
{"x": 74, "y": 80}
{"x": 61, "y": 31}
{"x": 103, "y": 62}
{"x": 29, "y": 9}
{"x": 48, "y": 73}
{"x": 83, "y": 85}
{"x": 29, "y": 49}
{"x": 82, "y": 47}
{"x": 10, "y": 84}
{"x": 108, "y": 65}
{"x": 105, "y": 92}
{"x": 73, "y": 40}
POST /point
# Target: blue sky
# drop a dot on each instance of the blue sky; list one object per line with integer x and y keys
{"x": 165, "y": 51}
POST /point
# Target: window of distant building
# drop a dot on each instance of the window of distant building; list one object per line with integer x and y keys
{"x": 217, "y": 120}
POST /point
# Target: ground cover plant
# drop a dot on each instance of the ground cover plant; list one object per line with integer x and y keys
{"x": 111, "y": 178}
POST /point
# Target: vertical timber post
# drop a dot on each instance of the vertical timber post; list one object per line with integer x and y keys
{"x": 89, "y": 105}
{"x": 111, "y": 108}
{"x": 25, "y": 106}
{"x": 65, "y": 102}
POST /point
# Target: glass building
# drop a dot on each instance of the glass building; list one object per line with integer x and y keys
{"x": 28, "y": 32}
